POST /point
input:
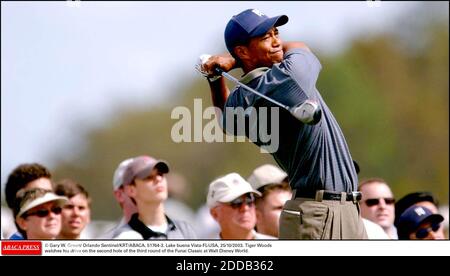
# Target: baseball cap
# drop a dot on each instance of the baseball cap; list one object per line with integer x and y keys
{"x": 266, "y": 174}
{"x": 413, "y": 217}
{"x": 411, "y": 199}
{"x": 118, "y": 174}
{"x": 228, "y": 188}
{"x": 137, "y": 167}
{"x": 35, "y": 197}
{"x": 248, "y": 24}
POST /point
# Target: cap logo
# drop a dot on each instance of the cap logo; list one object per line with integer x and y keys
{"x": 419, "y": 211}
{"x": 257, "y": 12}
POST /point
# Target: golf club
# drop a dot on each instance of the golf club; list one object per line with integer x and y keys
{"x": 308, "y": 112}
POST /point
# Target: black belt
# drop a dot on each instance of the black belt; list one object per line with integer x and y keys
{"x": 353, "y": 196}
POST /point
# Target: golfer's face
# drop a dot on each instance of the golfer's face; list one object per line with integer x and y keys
{"x": 267, "y": 49}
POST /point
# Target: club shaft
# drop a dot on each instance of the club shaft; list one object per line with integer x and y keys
{"x": 237, "y": 82}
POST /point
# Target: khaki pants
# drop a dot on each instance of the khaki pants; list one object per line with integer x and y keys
{"x": 314, "y": 219}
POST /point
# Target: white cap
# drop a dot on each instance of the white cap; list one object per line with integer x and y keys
{"x": 118, "y": 174}
{"x": 266, "y": 174}
{"x": 228, "y": 188}
{"x": 41, "y": 199}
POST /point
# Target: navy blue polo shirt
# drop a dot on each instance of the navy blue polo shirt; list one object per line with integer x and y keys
{"x": 316, "y": 157}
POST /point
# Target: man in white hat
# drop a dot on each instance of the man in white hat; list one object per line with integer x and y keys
{"x": 274, "y": 187}
{"x": 39, "y": 213}
{"x": 231, "y": 200}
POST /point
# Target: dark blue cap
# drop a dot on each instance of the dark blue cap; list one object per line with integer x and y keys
{"x": 413, "y": 217}
{"x": 411, "y": 199}
{"x": 248, "y": 24}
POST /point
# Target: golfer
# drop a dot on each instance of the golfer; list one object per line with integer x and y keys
{"x": 314, "y": 153}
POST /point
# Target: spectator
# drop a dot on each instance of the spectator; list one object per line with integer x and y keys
{"x": 25, "y": 176}
{"x": 425, "y": 199}
{"x": 126, "y": 204}
{"x": 76, "y": 214}
{"x": 231, "y": 201}
{"x": 378, "y": 204}
{"x": 145, "y": 183}
{"x": 274, "y": 187}
{"x": 39, "y": 213}
{"x": 419, "y": 223}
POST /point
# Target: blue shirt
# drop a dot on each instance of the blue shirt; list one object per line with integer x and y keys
{"x": 16, "y": 236}
{"x": 315, "y": 157}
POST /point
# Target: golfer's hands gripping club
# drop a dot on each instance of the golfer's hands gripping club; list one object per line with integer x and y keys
{"x": 212, "y": 67}
{"x": 207, "y": 65}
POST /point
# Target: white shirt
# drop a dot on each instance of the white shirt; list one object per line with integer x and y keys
{"x": 393, "y": 231}
{"x": 374, "y": 231}
{"x": 127, "y": 233}
{"x": 256, "y": 236}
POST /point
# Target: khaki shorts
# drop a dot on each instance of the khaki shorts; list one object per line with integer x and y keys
{"x": 317, "y": 219}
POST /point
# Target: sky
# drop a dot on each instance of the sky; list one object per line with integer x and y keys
{"x": 70, "y": 63}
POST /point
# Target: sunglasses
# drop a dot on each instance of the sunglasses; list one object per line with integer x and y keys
{"x": 375, "y": 201}
{"x": 42, "y": 213}
{"x": 423, "y": 232}
{"x": 237, "y": 203}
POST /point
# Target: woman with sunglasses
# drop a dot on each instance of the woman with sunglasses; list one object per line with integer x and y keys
{"x": 419, "y": 223}
{"x": 25, "y": 176}
{"x": 39, "y": 214}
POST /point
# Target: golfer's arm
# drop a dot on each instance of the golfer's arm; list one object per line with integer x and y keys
{"x": 294, "y": 44}
{"x": 219, "y": 92}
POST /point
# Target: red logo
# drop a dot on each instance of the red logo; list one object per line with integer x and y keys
{"x": 21, "y": 248}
